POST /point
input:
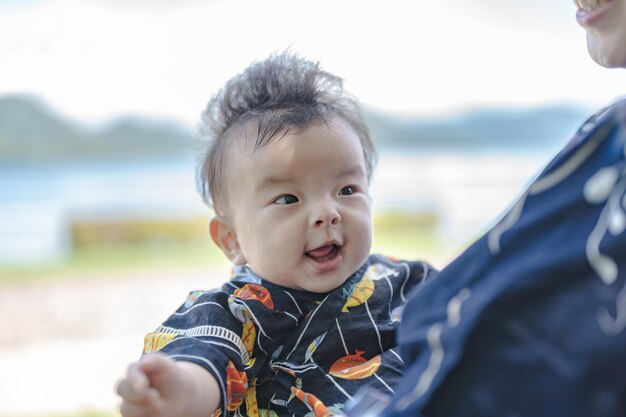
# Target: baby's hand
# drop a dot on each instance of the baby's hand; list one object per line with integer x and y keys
{"x": 153, "y": 387}
{"x": 158, "y": 386}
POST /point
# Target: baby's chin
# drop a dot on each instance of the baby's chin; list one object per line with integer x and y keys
{"x": 322, "y": 285}
{"x": 325, "y": 289}
{"x": 307, "y": 277}
{"x": 318, "y": 285}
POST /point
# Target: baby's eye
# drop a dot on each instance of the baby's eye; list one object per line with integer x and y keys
{"x": 348, "y": 190}
{"x": 286, "y": 199}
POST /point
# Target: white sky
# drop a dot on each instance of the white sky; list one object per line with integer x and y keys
{"x": 97, "y": 59}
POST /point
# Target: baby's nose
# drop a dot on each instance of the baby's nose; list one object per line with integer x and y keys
{"x": 326, "y": 214}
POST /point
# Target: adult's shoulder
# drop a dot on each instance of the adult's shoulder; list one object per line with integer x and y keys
{"x": 615, "y": 112}
{"x": 618, "y": 109}
{"x": 600, "y": 125}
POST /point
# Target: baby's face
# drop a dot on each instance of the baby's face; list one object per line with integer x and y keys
{"x": 300, "y": 207}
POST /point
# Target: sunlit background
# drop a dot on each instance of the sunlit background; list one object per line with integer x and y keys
{"x": 102, "y": 232}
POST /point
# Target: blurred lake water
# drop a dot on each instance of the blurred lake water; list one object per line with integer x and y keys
{"x": 466, "y": 190}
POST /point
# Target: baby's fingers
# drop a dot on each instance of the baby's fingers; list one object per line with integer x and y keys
{"x": 134, "y": 385}
{"x": 148, "y": 406}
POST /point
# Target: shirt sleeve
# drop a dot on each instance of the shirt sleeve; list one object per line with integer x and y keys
{"x": 204, "y": 331}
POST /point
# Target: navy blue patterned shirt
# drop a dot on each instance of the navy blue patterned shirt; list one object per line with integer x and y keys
{"x": 276, "y": 351}
{"x": 531, "y": 319}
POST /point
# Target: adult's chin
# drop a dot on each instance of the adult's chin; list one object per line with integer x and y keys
{"x": 608, "y": 56}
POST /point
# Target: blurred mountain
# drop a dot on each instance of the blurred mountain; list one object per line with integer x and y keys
{"x": 494, "y": 129}
{"x": 31, "y": 131}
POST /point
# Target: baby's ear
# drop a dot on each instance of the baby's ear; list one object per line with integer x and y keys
{"x": 224, "y": 236}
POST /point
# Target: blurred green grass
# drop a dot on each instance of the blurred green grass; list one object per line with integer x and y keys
{"x": 107, "y": 261}
{"x": 110, "y": 248}
{"x": 408, "y": 235}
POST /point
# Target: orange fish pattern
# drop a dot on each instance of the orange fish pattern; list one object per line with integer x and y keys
{"x": 255, "y": 292}
{"x": 315, "y": 405}
{"x": 355, "y": 366}
{"x": 236, "y": 386}
{"x": 279, "y": 352}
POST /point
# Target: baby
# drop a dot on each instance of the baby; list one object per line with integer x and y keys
{"x": 309, "y": 316}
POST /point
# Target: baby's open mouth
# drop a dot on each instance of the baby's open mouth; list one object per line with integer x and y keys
{"x": 324, "y": 253}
